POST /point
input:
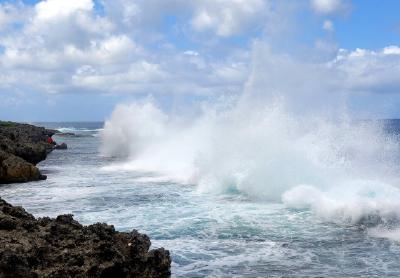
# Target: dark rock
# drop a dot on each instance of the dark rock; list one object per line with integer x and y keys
{"x": 8, "y": 223}
{"x": 62, "y": 247}
{"x": 66, "y": 134}
{"x": 22, "y": 146}
{"x": 51, "y": 132}
{"x": 32, "y": 152}
{"x": 62, "y": 146}
{"x": 15, "y": 169}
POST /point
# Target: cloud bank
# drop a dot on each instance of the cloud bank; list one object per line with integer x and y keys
{"x": 188, "y": 48}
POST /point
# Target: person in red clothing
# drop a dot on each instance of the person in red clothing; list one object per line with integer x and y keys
{"x": 50, "y": 140}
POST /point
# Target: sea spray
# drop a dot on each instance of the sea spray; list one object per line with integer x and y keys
{"x": 339, "y": 169}
{"x": 260, "y": 145}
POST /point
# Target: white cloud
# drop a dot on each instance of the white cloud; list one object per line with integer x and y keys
{"x": 5, "y": 16}
{"x": 56, "y": 9}
{"x": 10, "y": 14}
{"x": 325, "y": 85}
{"x": 111, "y": 50}
{"x": 221, "y": 17}
{"x": 393, "y": 49}
{"x": 56, "y": 23}
{"x": 64, "y": 45}
{"x": 228, "y": 17}
{"x": 181, "y": 74}
{"x": 191, "y": 53}
{"x": 71, "y": 47}
{"x": 367, "y": 70}
{"x": 134, "y": 78}
{"x": 329, "y": 6}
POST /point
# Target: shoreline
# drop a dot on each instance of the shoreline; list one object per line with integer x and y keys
{"x": 61, "y": 246}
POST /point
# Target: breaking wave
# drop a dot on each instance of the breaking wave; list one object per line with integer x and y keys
{"x": 340, "y": 169}
{"x": 258, "y": 145}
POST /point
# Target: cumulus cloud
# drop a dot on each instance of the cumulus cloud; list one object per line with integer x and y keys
{"x": 68, "y": 46}
{"x": 107, "y": 51}
{"x": 64, "y": 45}
{"x": 221, "y": 17}
{"x": 368, "y": 70}
{"x": 227, "y": 18}
{"x": 51, "y": 9}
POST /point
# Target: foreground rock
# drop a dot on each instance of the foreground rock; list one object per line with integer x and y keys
{"x": 62, "y": 247}
{"x": 22, "y": 146}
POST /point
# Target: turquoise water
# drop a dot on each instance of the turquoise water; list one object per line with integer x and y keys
{"x": 209, "y": 235}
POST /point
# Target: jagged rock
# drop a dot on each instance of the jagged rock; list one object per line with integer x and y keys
{"x": 62, "y": 146}
{"x": 62, "y": 247}
{"x": 22, "y": 146}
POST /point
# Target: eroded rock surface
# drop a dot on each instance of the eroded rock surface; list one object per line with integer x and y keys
{"x": 62, "y": 247}
{"x": 22, "y": 146}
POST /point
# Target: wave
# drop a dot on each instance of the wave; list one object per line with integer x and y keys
{"x": 341, "y": 170}
{"x": 78, "y": 132}
{"x": 74, "y": 129}
{"x": 260, "y": 145}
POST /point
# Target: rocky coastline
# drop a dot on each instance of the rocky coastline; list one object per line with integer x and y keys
{"x": 22, "y": 147}
{"x": 62, "y": 247}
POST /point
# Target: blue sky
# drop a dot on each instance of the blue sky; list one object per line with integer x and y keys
{"x": 372, "y": 25}
{"x": 71, "y": 60}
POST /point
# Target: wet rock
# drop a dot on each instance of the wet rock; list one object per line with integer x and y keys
{"x": 15, "y": 169}
{"x": 62, "y": 146}
{"x": 22, "y": 146}
{"x": 62, "y": 247}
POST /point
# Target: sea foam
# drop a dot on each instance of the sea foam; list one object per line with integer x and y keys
{"x": 259, "y": 145}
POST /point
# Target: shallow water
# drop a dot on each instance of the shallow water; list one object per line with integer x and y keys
{"x": 224, "y": 235}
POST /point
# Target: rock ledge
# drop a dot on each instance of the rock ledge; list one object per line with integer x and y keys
{"x": 22, "y": 146}
{"x": 62, "y": 247}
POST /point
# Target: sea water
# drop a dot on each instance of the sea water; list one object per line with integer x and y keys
{"x": 224, "y": 233}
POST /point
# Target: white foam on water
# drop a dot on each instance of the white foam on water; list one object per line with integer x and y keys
{"x": 261, "y": 146}
{"x": 74, "y": 129}
{"x": 382, "y": 232}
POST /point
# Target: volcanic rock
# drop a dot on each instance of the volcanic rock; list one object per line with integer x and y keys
{"x": 22, "y": 146}
{"x": 62, "y": 247}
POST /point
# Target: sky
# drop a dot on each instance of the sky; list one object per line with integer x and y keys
{"x": 75, "y": 60}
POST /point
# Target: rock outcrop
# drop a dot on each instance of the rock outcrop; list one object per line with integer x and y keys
{"x": 22, "y": 146}
{"x": 15, "y": 169}
{"x": 62, "y": 247}
{"x": 62, "y": 146}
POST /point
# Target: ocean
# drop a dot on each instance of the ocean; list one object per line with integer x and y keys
{"x": 225, "y": 233}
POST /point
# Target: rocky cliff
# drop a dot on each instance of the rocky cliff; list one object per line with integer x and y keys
{"x": 62, "y": 247}
{"x": 22, "y": 146}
